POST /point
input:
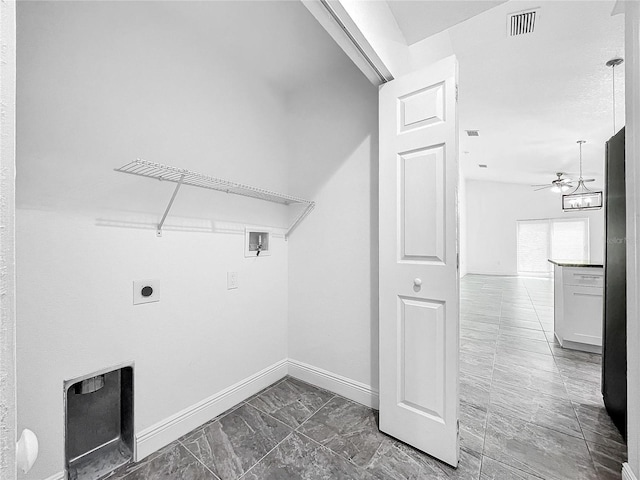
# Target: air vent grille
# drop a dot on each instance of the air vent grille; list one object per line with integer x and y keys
{"x": 473, "y": 133}
{"x": 521, "y": 23}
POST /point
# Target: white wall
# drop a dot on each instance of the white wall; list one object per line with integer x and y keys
{"x": 492, "y": 211}
{"x": 632, "y": 152}
{"x": 8, "y": 434}
{"x": 101, "y": 83}
{"x": 333, "y": 256}
{"x": 462, "y": 225}
{"x": 75, "y": 316}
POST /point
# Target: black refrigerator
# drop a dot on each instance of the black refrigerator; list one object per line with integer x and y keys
{"x": 614, "y": 331}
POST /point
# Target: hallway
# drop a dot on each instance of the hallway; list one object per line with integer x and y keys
{"x": 526, "y": 402}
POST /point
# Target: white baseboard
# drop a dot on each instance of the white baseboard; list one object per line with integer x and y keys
{"x": 163, "y": 433}
{"x": 57, "y": 476}
{"x": 168, "y": 430}
{"x": 356, "y": 391}
{"x": 627, "y": 474}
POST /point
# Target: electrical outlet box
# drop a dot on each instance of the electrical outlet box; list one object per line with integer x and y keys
{"x": 146, "y": 291}
{"x": 257, "y": 242}
{"x": 232, "y": 280}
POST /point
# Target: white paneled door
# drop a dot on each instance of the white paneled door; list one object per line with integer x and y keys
{"x": 419, "y": 295}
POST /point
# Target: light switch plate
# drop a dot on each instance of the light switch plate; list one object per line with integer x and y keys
{"x": 232, "y": 280}
{"x": 146, "y": 291}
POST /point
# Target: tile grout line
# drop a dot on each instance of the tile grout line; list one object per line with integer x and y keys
{"x": 200, "y": 461}
{"x": 324, "y": 447}
{"x": 568, "y": 397}
{"x": 246, "y": 403}
{"x": 507, "y": 413}
{"x": 482, "y": 455}
{"x": 270, "y": 416}
{"x": 562, "y": 377}
{"x": 493, "y": 367}
{"x": 340, "y": 455}
{"x": 295, "y": 430}
{"x": 277, "y": 420}
{"x": 265, "y": 455}
{"x": 514, "y": 468}
{"x": 539, "y": 321}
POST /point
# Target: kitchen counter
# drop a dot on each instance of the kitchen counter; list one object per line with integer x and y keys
{"x": 575, "y": 263}
{"x": 577, "y": 295}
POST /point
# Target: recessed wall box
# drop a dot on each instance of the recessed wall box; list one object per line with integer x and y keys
{"x": 146, "y": 291}
{"x": 98, "y": 434}
{"x": 257, "y": 243}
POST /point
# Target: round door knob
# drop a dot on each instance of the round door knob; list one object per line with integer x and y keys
{"x": 417, "y": 282}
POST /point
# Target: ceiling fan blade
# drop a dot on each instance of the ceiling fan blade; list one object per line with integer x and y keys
{"x": 542, "y": 185}
{"x": 589, "y": 180}
{"x": 565, "y": 180}
{"x": 548, "y": 186}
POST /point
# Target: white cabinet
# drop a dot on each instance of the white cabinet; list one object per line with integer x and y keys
{"x": 578, "y": 306}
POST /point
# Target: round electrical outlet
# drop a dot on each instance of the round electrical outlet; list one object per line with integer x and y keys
{"x": 146, "y": 291}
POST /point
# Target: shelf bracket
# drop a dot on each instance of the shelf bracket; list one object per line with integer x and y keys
{"x": 166, "y": 212}
{"x": 301, "y": 217}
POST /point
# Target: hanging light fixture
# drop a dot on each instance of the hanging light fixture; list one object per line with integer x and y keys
{"x": 582, "y": 198}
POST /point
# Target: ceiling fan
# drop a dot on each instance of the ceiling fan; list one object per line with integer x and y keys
{"x": 560, "y": 184}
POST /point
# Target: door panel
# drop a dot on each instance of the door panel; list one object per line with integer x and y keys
{"x": 421, "y": 198}
{"x": 421, "y": 108}
{"x": 421, "y": 356}
{"x": 418, "y": 260}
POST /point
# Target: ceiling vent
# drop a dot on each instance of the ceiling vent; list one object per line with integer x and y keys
{"x": 521, "y": 23}
{"x": 482, "y": 165}
{"x": 473, "y": 133}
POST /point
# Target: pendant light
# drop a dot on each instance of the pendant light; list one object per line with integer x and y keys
{"x": 582, "y": 198}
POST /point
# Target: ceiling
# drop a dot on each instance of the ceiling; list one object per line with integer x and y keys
{"x": 419, "y": 20}
{"x": 175, "y": 82}
{"x": 277, "y": 41}
{"x": 532, "y": 97}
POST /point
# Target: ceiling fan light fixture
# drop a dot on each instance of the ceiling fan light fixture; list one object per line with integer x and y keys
{"x": 556, "y": 188}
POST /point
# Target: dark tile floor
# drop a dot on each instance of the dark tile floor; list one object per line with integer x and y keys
{"x": 532, "y": 408}
{"x": 528, "y": 410}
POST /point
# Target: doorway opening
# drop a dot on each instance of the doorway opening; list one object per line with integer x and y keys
{"x": 524, "y": 375}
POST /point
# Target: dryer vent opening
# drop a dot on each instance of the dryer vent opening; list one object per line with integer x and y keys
{"x": 98, "y": 423}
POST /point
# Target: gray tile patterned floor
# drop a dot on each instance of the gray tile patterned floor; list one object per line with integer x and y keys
{"x": 528, "y": 410}
{"x": 533, "y": 409}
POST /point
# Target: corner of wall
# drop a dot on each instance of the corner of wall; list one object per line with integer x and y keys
{"x": 632, "y": 148}
{"x": 8, "y": 432}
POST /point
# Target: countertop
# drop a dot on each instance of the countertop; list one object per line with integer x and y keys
{"x": 575, "y": 263}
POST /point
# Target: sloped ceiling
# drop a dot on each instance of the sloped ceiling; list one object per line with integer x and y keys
{"x": 421, "y": 19}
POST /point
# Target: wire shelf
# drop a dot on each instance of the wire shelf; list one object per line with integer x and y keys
{"x": 180, "y": 176}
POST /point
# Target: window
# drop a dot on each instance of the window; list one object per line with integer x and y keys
{"x": 540, "y": 240}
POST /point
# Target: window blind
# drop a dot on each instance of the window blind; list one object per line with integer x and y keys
{"x": 539, "y": 240}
